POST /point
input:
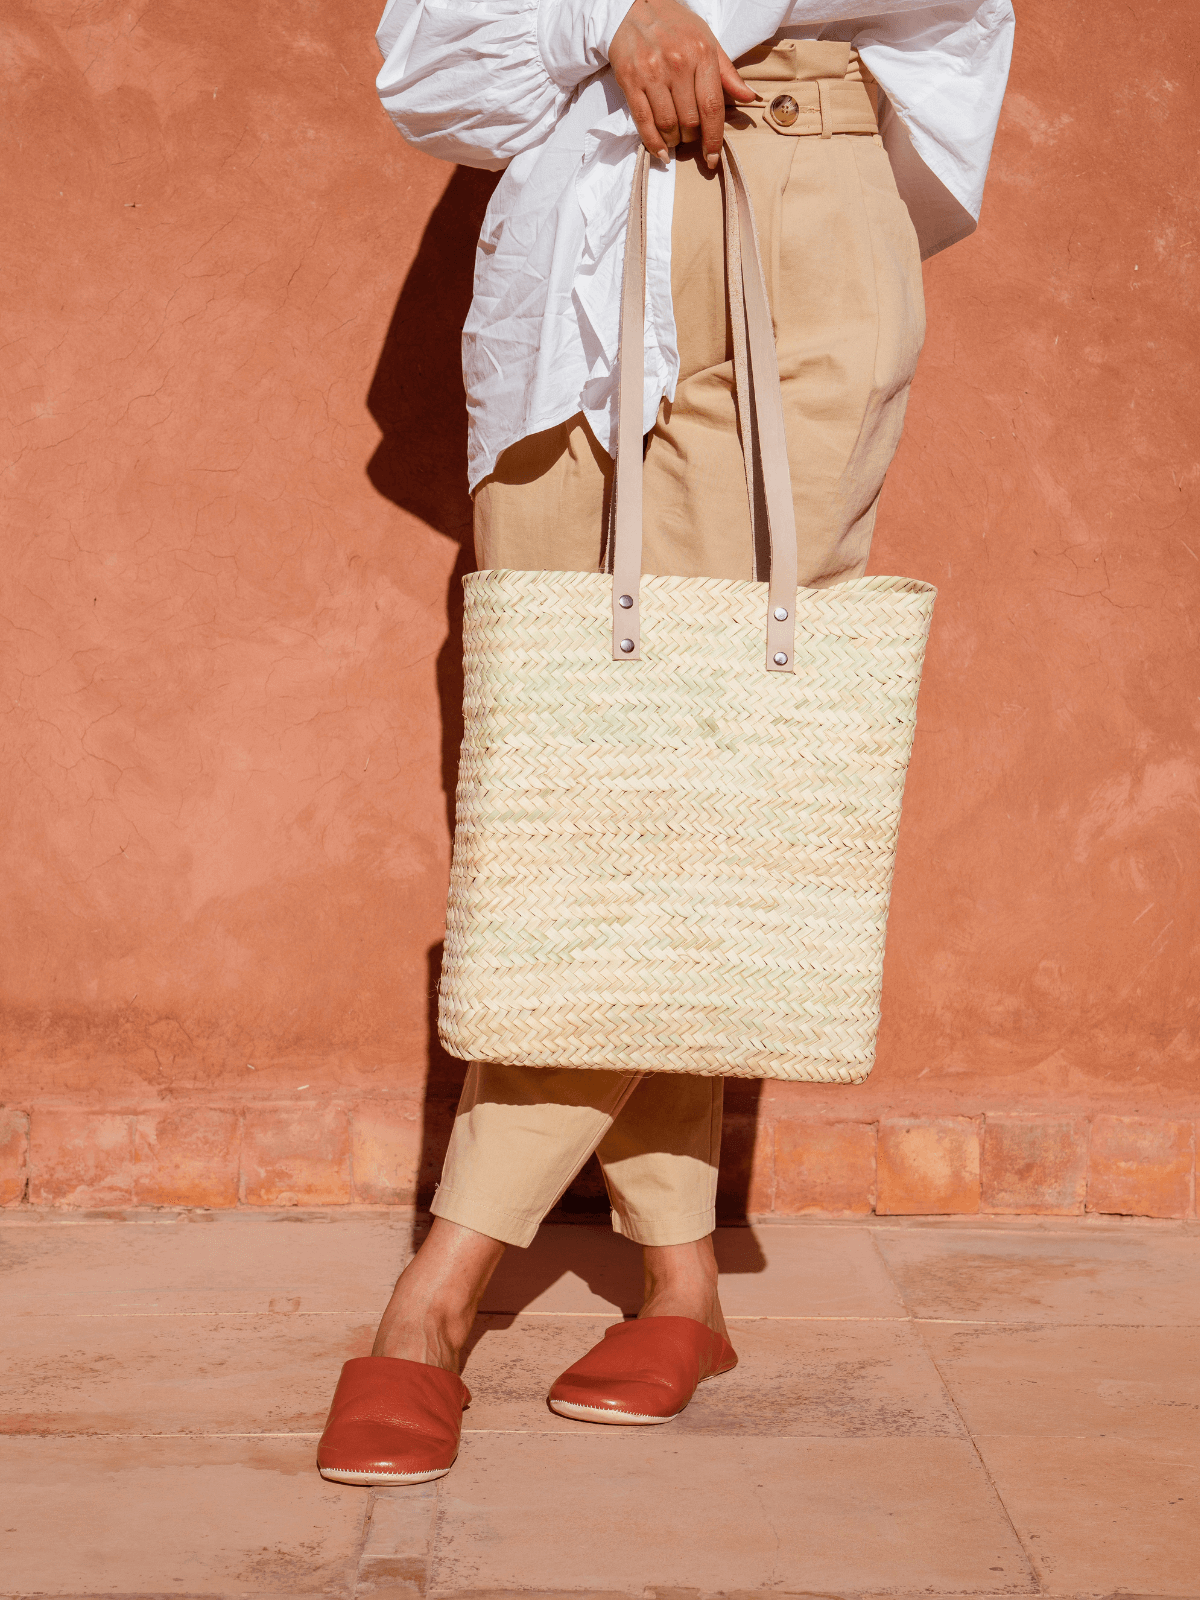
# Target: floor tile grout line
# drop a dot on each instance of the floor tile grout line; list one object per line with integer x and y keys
{"x": 84, "y": 1316}
{"x": 433, "y": 1541}
{"x": 97, "y": 1433}
{"x": 396, "y": 1219}
{"x": 1024, "y": 1325}
{"x": 830, "y": 1438}
{"x": 594, "y": 1433}
{"x": 130, "y": 1316}
{"x": 364, "y": 1535}
{"x": 356, "y": 1580}
{"x": 560, "y": 1594}
{"x": 1034, "y": 1574}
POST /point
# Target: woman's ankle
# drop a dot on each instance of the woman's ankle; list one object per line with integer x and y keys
{"x": 681, "y": 1281}
{"x": 698, "y": 1302}
{"x": 431, "y": 1341}
{"x": 432, "y": 1309}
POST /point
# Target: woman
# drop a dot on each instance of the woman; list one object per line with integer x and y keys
{"x": 865, "y": 144}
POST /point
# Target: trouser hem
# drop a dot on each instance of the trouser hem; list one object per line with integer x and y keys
{"x": 682, "y": 1228}
{"x": 509, "y": 1227}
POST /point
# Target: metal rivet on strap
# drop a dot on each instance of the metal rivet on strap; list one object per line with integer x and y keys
{"x": 627, "y": 646}
{"x": 784, "y": 109}
{"x": 780, "y": 658}
{"x": 625, "y": 602}
{"x": 780, "y": 613}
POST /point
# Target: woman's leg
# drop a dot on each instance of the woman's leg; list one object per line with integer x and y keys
{"x": 544, "y": 507}
{"x": 437, "y": 1295}
{"x": 520, "y": 1136}
{"x": 660, "y": 1160}
{"x": 681, "y": 1281}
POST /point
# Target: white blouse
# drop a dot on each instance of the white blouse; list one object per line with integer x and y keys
{"x": 524, "y": 84}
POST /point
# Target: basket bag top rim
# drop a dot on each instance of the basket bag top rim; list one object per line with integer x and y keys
{"x": 876, "y": 583}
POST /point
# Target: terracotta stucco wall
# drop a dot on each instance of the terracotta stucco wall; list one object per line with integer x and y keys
{"x": 234, "y": 527}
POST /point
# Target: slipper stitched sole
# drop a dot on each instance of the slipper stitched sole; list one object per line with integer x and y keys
{"x": 568, "y": 1408}
{"x": 382, "y": 1479}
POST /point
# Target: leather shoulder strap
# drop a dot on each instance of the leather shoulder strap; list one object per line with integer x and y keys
{"x": 625, "y": 542}
{"x": 760, "y": 408}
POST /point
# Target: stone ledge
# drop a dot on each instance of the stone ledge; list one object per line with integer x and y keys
{"x": 387, "y": 1152}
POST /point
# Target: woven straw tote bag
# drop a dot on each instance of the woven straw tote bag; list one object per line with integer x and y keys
{"x": 674, "y": 853}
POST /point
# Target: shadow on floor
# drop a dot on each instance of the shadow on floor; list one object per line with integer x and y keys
{"x": 609, "y": 1265}
{"x": 416, "y": 398}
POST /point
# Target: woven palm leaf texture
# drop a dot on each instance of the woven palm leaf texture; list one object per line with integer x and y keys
{"x": 682, "y": 864}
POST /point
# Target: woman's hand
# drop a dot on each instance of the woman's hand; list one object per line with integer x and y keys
{"x": 675, "y": 77}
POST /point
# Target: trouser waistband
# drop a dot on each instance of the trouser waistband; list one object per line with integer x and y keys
{"x": 810, "y": 88}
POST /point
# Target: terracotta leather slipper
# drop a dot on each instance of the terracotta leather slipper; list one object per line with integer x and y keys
{"x": 392, "y": 1421}
{"x": 641, "y": 1372}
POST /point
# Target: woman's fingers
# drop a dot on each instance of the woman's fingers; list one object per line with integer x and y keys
{"x": 733, "y": 85}
{"x": 684, "y": 92}
{"x": 663, "y": 110}
{"x": 643, "y": 121}
{"x": 684, "y": 108}
{"x": 674, "y": 75}
{"x": 710, "y": 103}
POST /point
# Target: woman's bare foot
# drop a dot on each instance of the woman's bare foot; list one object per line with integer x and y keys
{"x": 433, "y": 1305}
{"x": 681, "y": 1281}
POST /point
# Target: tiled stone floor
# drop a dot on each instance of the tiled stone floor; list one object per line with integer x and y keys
{"x": 935, "y": 1408}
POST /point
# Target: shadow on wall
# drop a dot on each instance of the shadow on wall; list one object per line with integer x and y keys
{"x": 416, "y": 398}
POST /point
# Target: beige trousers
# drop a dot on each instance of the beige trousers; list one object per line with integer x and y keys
{"x": 522, "y": 1133}
{"x": 844, "y": 277}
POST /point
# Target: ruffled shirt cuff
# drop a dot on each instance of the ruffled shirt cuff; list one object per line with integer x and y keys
{"x": 574, "y": 35}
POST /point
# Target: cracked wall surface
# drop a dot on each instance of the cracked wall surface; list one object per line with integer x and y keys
{"x": 235, "y": 514}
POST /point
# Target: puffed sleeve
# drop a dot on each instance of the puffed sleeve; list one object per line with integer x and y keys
{"x": 942, "y": 65}
{"x": 479, "y": 81}
{"x": 944, "y": 70}
{"x": 574, "y": 36}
